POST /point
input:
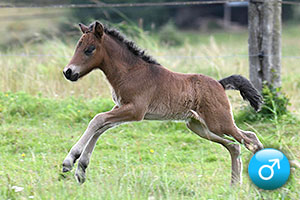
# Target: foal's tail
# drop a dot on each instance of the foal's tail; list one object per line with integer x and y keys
{"x": 247, "y": 90}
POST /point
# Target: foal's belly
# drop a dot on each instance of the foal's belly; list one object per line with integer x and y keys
{"x": 178, "y": 116}
{"x": 168, "y": 114}
{"x": 171, "y": 107}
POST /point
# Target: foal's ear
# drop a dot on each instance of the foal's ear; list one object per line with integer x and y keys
{"x": 83, "y": 28}
{"x": 98, "y": 29}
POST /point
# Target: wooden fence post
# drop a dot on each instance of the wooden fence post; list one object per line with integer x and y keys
{"x": 227, "y": 16}
{"x": 264, "y": 42}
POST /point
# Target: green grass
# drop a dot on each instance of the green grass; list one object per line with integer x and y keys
{"x": 145, "y": 160}
{"x": 141, "y": 160}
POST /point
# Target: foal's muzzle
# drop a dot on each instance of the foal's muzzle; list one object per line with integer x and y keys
{"x": 70, "y": 75}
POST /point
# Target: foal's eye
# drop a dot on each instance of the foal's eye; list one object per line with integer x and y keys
{"x": 89, "y": 50}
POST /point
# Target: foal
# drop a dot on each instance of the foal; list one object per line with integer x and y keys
{"x": 143, "y": 89}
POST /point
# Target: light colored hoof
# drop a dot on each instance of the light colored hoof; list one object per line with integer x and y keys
{"x": 254, "y": 148}
{"x": 260, "y": 146}
{"x": 80, "y": 175}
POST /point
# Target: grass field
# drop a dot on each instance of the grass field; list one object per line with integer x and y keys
{"x": 42, "y": 115}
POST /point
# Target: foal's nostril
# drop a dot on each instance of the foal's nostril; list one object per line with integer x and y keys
{"x": 68, "y": 73}
{"x": 74, "y": 77}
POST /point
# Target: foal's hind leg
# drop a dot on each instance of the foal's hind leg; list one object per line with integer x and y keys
{"x": 247, "y": 138}
{"x": 220, "y": 122}
{"x": 199, "y": 127}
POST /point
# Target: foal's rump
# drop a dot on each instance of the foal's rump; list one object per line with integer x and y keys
{"x": 213, "y": 106}
{"x": 212, "y": 103}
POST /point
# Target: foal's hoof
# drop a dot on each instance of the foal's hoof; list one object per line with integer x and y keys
{"x": 234, "y": 183}
{"x": 254, "y": 147}
{"x": 251, "y": 147}
{"x": 260, "y": 146}
{"x": 66, "y": 169}
{"x": 67, "y": 166}
{"x": 80, "y": 175}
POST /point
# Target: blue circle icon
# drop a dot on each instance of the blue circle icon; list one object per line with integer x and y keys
{"x": 269, "y": 169}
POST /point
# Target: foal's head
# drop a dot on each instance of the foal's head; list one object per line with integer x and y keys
{"x": 88, "y": 53}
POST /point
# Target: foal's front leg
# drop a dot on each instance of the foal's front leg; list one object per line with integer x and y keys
{"x": 99, "y": 124}
{"x": 77, "y": 149}
{"x": 85, "y": 157}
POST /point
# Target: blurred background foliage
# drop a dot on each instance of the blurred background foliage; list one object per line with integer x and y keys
{"x": 37, "y": 24}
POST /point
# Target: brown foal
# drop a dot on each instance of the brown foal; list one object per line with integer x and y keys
{"x": 143, "y": 89}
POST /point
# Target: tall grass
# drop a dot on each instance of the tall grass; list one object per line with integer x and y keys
{"x": 38, "y": 69}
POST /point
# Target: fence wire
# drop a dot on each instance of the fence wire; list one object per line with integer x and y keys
{"x": 145, "y": 4}
{"x": 118, "y": 5}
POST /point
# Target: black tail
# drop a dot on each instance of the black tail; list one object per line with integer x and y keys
{"x": 247, "y": 90}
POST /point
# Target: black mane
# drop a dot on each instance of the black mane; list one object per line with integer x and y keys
{"x": 131, "y": 46}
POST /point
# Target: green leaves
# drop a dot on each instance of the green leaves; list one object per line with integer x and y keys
{"x": 274, "y": 107}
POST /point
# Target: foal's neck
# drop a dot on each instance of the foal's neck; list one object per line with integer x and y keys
{"x": 118, "y": 60}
